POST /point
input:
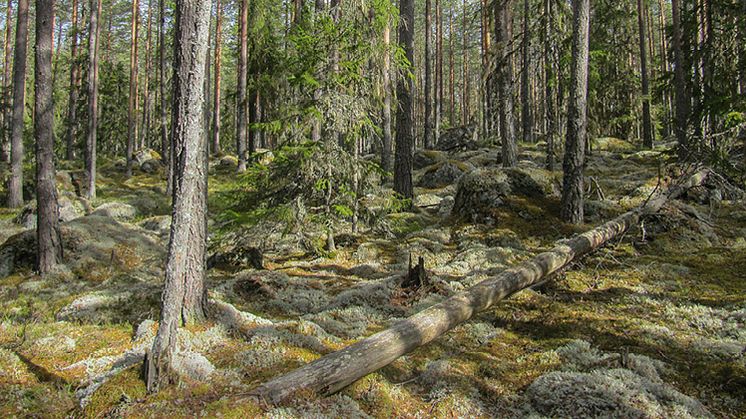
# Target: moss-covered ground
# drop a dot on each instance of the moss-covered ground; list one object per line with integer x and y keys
{"x": 672, "y": 294}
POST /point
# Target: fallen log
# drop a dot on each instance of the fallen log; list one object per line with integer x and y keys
{"x": 337, "y": 370}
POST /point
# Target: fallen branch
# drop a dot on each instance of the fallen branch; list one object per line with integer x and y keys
{"x": 337, "y": 370}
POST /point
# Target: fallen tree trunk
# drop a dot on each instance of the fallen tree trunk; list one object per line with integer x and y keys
{"x": 337, "y": 370}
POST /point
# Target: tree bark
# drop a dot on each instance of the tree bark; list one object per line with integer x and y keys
{"x": 526, "y": 115}
{"x": 572, "y": 182}
{"x": 72, "y": 108}
{"x": 465, "y": 68}
{"x": 549, "y": 83}
{"x": 132, "y": 110}
{"x": 90, "y": 148}
{"x": 682, "y": 96}
{"x": 386, "y": 149}
{"x": 339, "y": 369}
{"x": 647, "y": 125}
{"x": 405, "y": 114}
{"x": 15, "y": 184}
{"x": 428, "y": 75}
{"x": 145, "y": 130}
{"x": 242, "y": 100}
{"x": 5, "y": 99}
{"x": 438, "y": 71}
{"x": 166, "y": 151}
{"x": 504, "y": 40}
{"x": 451, "y": 73}
{"x": 184, "y": 295}
{"x": 47, "y": 213}
{"x": 216, "y": 88}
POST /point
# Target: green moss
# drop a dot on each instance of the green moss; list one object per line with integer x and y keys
{"x": 125, "y": 386}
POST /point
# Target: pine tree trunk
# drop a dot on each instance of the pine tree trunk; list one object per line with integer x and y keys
{"x": 386, "y": 149}
{"x": 15, "y": 184}
{"x": 504, "y": 38}
{"x": 184, "y": 295}
{"x": 145, "y": 130}
{"x": 216, "y": 88}
{"x": 465, "y": 69}
{"x": 428, "y": 75}
{"x": 242, "y": 100}
{"x": 90, "y": 146}
{"x": 549, "y": 83}
{"x": 572, "y": 182}
{"x": 132, "y": 110}
{"x": 72, "y": 108}
{"x": 47, "y": 213}
{"x": 526, "y": 116}
{"x": 451, "y": 73}
{"x": 438, "y": 71}
{"x": 405, "y": 114}
{"x": 5, "y": 99}
{"x": 682, "y": 99}
{"x": 647, "y": 125}
{"x": 166, "y": 150}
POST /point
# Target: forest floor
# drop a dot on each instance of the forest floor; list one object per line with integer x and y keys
{"x": 652, "y": 325}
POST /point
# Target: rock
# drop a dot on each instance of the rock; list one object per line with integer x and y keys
{"x": 116, "y": 210}
{"x": 427, "y": 200}
{"x": 237, "y": 256}
{"x": 64, "y": 181}
{"x": 192, "y": 365}
{"x": 366, "y": 252}
{"x": 458, "y": 139}
{"x": 145, "y": 155}
{"x": 160, "y": 224}
{"x": 94, "y": 247}
{"x": 263, "y": 156}
{"x": 150, "y": 166}
{"x": 70, "y": 207}
{"x": 445, "y": 207}
{"x": 443, "y": 174}
{"x": 479, "y": 193}
{"x": 425, "y": 158}
{"x": 612, "y": 144}
{"x": 532, "y": 182}
{"x": 228, "y": 161}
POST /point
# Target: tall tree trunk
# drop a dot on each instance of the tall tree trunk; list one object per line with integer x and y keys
{"x": 647, "y": 125}
{"x": 145, "y": 131}
{"x": 241, "y": 101}
{"x": 47, "y": 213}
{"x": 428, "y": 75}
{"x": 451, "y": 73}
{"x": 386, "y": 149}
{"x": 90, "y": 145}
{"x": 72, "y": 108}
{"x": 572, "y": 182}
{"x": 682, "y": 96}
{"x": 438, "y": 70}
{"x": 216, "y": 88}
{"x": 15, "y": 185}
{"x": 132, "y": 110}
{"x": 465, "y": 59}
{"x": 184, "y": 295}
{"x": 405, "y": 114}
{"x": 549, "y": 83}
{"x": 5, "y": 99}
{"x": 166, "y": 149}
{"x": 526, "y": 116}
{"x": 504, "y": 39}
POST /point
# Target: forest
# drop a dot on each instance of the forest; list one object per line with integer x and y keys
{"x": 373, "y": 208}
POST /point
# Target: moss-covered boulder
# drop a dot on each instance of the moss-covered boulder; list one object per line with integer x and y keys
{"x": 443, "y": 174}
